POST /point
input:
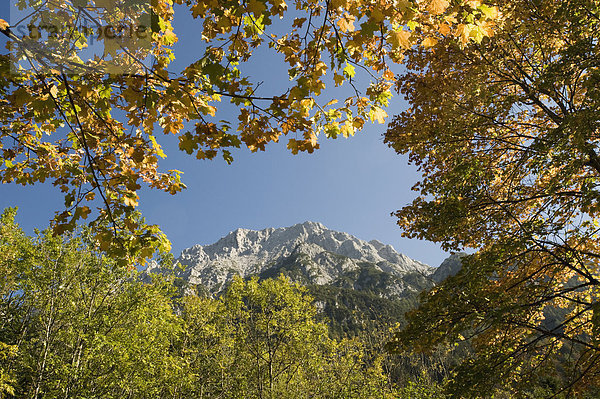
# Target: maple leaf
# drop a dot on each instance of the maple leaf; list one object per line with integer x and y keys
{"x": 490, "y": 12}
{"x": 338, "y": 79}
{"x": 377, "y": 15}
{"x": 378, "y": 114}
{"x": 347, "y": 129}
{"x": 169, "y": 37}
{"x": 444, "y": 29}
{"x": 293, "y": 145}
{"x": 429, "y": 42}
{"x": 130, "y": 199}
{"x": 437, "y": 7}
{"x": 82, "y": 212}
{"x": 256, "y": 7}
{"x": 400, "y": 39}
{"x": 187, "y": 143}
{"x": 346, "y": 23}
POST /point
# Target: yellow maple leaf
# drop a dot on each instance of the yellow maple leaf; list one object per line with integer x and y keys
{"x": 157, "y": 148}
{"x": 463, "y": 31}
{"x": 377, "y": 114}
{"x": 347, "y": 129}
{"x": 346, "y": 23}
{"x": 400, "y": 39}
{"x": 3, "y": 24}
{"x": 429, "y": 42}
{"x": 490, "y": 12}
{"x": 488, "y": 28}
{"x": 437, "y": 7}
{"x": 444, "y": 29}
{"x": 131, "y": 199}
{"x": 358, "y": 123}
{"x": 170, "y": 37}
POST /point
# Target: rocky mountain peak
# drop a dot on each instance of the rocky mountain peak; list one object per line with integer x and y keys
{"x": 317, "y": 255}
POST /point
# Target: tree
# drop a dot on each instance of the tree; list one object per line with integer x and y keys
{"x": 88, "y": 123}
{"x": 506, "y": 134}
{"x": 11, "y": 248}
{"x": 263, "y": 340}
{"x": 78, "y": 325}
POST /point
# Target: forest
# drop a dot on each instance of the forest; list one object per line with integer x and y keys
{"x": 76, "y": 324}
{"x": 503, "y": 124}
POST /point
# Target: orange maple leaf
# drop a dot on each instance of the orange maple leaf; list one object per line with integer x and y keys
{"x": 437, "y": 7}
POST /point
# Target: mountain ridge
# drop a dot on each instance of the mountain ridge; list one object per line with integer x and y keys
{"x": 316, "y": 254}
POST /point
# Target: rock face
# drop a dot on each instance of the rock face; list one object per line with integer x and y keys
{"x": 449, "y": 267}
{"x": 308, "y": 253}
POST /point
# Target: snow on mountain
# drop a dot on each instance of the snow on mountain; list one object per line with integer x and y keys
{"x": 316, "y": 254}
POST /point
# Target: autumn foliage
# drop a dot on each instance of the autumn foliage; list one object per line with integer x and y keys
{"x": 503, "y": 123}
{"x": 91, "y": 125}
{"x": 506, "y": 134}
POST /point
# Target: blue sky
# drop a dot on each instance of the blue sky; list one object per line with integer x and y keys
{"x": 350, "y": 185}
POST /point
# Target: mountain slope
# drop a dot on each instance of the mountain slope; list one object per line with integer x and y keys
{"x": 449, "y": 267}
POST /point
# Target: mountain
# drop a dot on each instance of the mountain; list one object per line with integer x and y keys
{"x": 449, "y": 267}
{"x": 307, "y": 253}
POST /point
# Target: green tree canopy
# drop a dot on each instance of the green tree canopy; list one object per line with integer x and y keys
{"x": 263, "y": 340}
{"x": 76, "y": 324}
{"x": 506, "y": 133}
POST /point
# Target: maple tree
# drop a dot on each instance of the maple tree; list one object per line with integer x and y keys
{"x": 506, "y": 133}
{"x": 74, "y": 324}
{"x": 90, "y": 124}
